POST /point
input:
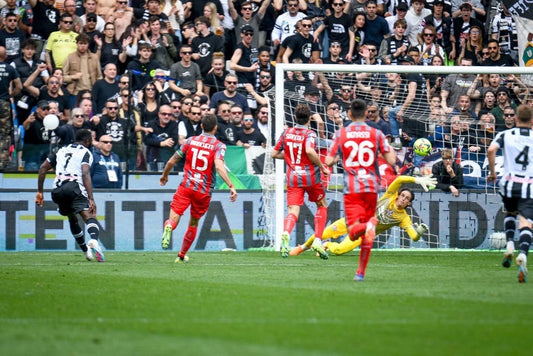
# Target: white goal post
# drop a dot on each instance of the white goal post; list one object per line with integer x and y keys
{"x": 273, "y": 179}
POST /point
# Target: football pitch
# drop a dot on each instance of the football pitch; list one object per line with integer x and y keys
{"x": 256, "y": 303}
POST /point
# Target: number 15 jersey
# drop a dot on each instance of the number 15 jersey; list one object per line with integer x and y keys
{"x": 358, "y": 146}
{"x": 200, "y": 153}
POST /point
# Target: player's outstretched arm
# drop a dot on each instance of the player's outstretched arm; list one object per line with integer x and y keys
{"x": 221, "y": 170}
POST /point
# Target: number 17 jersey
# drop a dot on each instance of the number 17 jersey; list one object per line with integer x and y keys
{"x": 358, "y": 146}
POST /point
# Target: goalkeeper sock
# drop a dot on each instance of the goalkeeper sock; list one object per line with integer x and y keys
{"x": 171, "y": 223}
{"x": 188, "y": 239}
{"x": 509, "y": 225}
{"x": 289, "y": 222}
{"x": 525, "y": 240}
{"x": 320, "y": 221}
{"x": 307, "y": 244}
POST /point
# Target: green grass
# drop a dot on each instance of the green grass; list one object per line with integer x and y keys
{"x": 256, "y": 303}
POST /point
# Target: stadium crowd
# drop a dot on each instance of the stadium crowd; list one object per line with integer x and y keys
{"x": 111, "y": 65}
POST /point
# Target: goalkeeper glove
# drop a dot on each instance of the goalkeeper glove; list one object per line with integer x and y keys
{"x": 421, "y": 229}
{"x": 426, "y": 182}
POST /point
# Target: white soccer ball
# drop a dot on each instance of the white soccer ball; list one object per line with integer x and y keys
{"x": 497, "y": 240}
{"x": 51, "y": 122}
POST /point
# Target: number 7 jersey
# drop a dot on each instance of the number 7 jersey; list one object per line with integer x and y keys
{"x": 358, "y": 146}
{"x": 200, "y": 153}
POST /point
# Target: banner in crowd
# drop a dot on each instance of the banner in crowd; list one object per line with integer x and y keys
{"x": 522, "y": 12}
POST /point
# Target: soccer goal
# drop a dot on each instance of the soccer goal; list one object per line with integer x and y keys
{"x": 461, "y": 124}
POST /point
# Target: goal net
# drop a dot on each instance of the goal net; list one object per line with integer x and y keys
{"x": 408, "y": 101}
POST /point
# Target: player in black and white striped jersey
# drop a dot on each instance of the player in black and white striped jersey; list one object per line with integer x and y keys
{"x": 516, "y": 184}
{"x": 73, "y": 190}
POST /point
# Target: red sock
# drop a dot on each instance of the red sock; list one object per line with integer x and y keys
{"x": 170, "y": 222}
{"x": 356, "y": 230}
{"x": 188, "y": 239}
{"x": 364, "y": 256}
{"x": 320, "y": 221}
{"x": 289, "y": 222}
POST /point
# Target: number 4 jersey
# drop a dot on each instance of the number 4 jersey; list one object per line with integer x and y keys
{"x": 517, "y": 146}
{"x": 200, "y": 153}
{"x": 358, "y": 146}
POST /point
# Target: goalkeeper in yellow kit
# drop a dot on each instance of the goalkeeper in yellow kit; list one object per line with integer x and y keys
{"x": 390, "y": 212}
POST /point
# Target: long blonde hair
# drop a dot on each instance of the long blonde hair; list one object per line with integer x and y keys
{"x": 213, "y": 18}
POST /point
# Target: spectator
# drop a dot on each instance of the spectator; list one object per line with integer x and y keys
{"x": 249, "y": 18}
{"x": 106, "y": 88}
{"x": 148, "y": 105}
{"x": 214, "y": 81}
{"x": 358, "y": 35}
{"x": 337, "y": 27}
{"x": 262, "y": 122}
{"x": 374, "y": 119}
{"x": 428, "y": 47}
{"x": 81, "y": 68}
{"x": 286, "y": 22}
{"x": 503, "y": 29}
{"x": 11, "y": 37}
{"x": 186, "y": 75}
{"x": 90, "y": 7}
{"x": 121, "y": 131}
{"x": 190, "y": 126}
{"x": 502, "y": 101}
{"x": 395, "y": 47}
{"x": 475, "y": 8}
{"x": 25, "y": 66}
{"x": 484, "y": 133}
{"x": 142, "y": 66}
{"x": 471, "y": 46}
{"x": 449, "y": 174}
{"x": 236, "y": 116}
{"x": 376, "y": 28}
{"x": 45, "y": 21}
{"x": 416, "y": 13}
{"x": 456, "y": 85}
{"x": 302, "y": 45}
{"x": 226, "y": 131}
{"x": 508, "y": 122}
{"x": 106, "y": 170}
{"x": 90, "y": 30}
{"x": 111, "y": 51}
{"x": 52, "y": 90}
{"x": 442, "y": 22}
{"x": 205, "y": 45}
{"x": 497, "y": 59}
{"x": 244, "y": 61}
{"x": 163, "y": 49}
{"x": 249, "y": 135}
{"x": 463, "y": 23}
{"x": 401, "y": 12}
{"x": 36, "y": 138}
{"x": 69, "y": 7}
{"x": 122, "y": 17}
{"x": 463, "y": 108}
{"x": 230, "y": 95}
{"x": 61, "y": 43}
{"x": 162, "y": 142}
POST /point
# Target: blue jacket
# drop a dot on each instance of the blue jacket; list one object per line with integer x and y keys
{"x": 101, "y": 164}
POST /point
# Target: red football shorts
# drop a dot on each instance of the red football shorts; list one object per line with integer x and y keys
{"x": 295, "y": 195}
{"x": 185, "y": 197}
{"x": 359, "y": 207}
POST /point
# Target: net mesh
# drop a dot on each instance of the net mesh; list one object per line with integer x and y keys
{"x": 453, "y": 107}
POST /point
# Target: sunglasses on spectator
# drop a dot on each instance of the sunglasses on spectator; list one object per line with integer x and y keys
{"x": 125, "y": 95}
{"x": 196, "y": 100}
{"x": 166, "y": 113}
{"x": 93, "y": 20}
{"x": 196, "y": 113}
{"x": 150, "y": 89}
{"x": 236, "y": 112}
{"x": 176, "y": 107}
{"x": 292, "y": 5}
{"x": 78, "y": 115}
{"x": 67, "y": 22}
{"x": 372, "y": 111}
{"x": 263, "y": 112}
{"x": 264, "y": 76}
{"x": 338, "y": 4}
{"x": 45, "y": 108}
{"x": 188, "y": 53}
{"x": 204, "y": 109}
{"x": 106, "y": 142}
{"x": 508, "y": 115}
{"x": 124, "y": 83}
{"x": 112, "y": 108}
{"x": 12, "y": 20}
{"x": 307, "y": 25}
{"x": 225, "y": 111}
{"x": 246, "y": 8}
{"x": 187, "y": 103}
{"x": 234, "y": 83}
{"x": 346, "y": 90}
{"x": 249, "y": 34}
{"x": 248, "y": 120}
{"x": 428, "y": 35}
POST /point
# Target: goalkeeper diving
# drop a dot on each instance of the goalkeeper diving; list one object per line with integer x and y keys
{"x": 390, "y": 211}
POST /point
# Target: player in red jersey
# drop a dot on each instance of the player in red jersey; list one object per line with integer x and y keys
{"x": 297, "y": 146}
{"x": 201, "y": 153}
{"x": 358, "y": 146}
